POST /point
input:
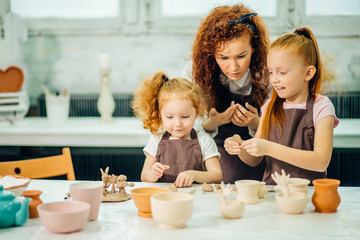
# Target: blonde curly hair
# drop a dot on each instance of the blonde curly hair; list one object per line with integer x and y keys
{"x": 154, "y": 93}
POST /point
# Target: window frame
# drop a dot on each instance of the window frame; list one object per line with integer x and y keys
{"x": 144, "y": 16}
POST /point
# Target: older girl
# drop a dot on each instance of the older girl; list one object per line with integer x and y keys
{"x": 296, "y": 129}
{"x": 175, "y": 152}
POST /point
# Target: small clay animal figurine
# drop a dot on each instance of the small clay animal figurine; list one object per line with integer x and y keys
{"x": 105, "y": 179}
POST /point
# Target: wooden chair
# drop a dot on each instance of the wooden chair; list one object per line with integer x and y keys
{"x": 41, "y": 167}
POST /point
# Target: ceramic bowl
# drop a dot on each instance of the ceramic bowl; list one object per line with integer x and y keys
{"x": 64, "y": 216}
{"x": 172, "y": 209}
{"x": 141, "y": 198}
{"x": 232, "y": 209}
{"x": 14, "y": 183}
{"x": 295, "y": 203}
{"x": 298, "y": 185}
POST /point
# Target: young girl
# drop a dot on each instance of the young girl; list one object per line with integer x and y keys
{"x": 229, "y": 62}
{"x": 175, "y": 152}
{"x": 296, "y": 129}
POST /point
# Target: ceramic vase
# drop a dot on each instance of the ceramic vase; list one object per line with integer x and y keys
{"x": 106, "y": 103}
{"x": 326, "y": 198}
{"x": 247, "y": 191}
{"x": 35, "y": 201}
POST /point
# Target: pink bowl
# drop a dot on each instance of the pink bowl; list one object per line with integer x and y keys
{"x": 65, "y": 216}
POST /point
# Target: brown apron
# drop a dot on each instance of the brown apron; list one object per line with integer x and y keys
{"x": 298, "y": 132}
{"x": 232, "y": 167}
{"x": 180, "y": 154}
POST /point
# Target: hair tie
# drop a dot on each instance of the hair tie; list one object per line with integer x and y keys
{"x": 166, "y": 79}
{"x": 303, "y": 33}
{"x": 244, "y": 19}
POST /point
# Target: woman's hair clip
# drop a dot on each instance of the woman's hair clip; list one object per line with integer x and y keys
{"x": 303, "y": 33}
{"x": 244, "y": 19}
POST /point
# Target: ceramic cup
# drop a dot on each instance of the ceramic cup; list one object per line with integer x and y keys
{"x": 57, "y": 108}
{"x": 298, "y": 185}
{"x": 247, "y": 191}
{"x": 89, "y": 192}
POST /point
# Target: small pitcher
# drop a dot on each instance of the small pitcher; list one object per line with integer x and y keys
{"x": 326, "y": 198}
{"x": 35, "y": 201}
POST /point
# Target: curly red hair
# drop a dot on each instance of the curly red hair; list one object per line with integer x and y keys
{"x": 216, "y": 30}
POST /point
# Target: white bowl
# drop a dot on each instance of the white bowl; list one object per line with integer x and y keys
{"x": 64, "y": 216}
{"x": 14, "y": 183}
{"x": 172, "y": 209}
{"x": 298, "y": 185}
{"x": 232, "y": 209}
{"x": 295, "y": 203}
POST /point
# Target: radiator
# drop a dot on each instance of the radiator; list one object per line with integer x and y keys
{"x": 86, "y": 106}
{"x": 347, "y": 105}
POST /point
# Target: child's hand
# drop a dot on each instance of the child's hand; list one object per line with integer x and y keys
{"x": 256, "y": 146}
{"x": 232, "y": 147}
{"x": 243, "y": 117}
{"x": 184, "y": 179}
{"x": 158, "y": 169}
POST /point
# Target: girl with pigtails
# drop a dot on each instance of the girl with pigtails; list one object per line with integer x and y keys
{"x": 297, "y": 124}
{"x": 229, "y": 62}
{"x": 175, "y": 152}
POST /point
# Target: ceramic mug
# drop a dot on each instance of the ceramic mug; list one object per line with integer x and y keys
{"x": 247, "y": 191}
{"x": 89, "y": 192}
{"x": 298, "y": 185}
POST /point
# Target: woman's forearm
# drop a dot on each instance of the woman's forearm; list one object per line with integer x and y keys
{"x": 210, "y": 124}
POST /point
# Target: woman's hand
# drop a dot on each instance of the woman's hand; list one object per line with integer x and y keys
{"x": 184, "y": 179}
{"x": 217, "y": 119}
{"x": 243, "y": 117}
{"x": 256, "y": 146}
{"x": 158, "y": 169}
{"x": 232, "y": 147}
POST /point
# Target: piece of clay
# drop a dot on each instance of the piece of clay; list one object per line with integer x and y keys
{"x": 192, "y": 192}
{"x": 237, "y": 138}
{"x": 207, "y": 188}
{"x": 172, "y": 188}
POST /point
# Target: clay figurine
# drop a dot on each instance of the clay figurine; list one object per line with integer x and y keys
{"x": 288, "y": 202}
{"x": 117, "y": 185}
{"x": 229, "y": 208}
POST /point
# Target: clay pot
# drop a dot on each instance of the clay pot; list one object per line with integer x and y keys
{"x": 247, "y": 191}
{"x": 35, "y": 201}
{"x": 262, "y": 190}
{"x": 326, "y": 198}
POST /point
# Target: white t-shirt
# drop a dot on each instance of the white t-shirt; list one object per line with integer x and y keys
{"x": 207, "y": 145}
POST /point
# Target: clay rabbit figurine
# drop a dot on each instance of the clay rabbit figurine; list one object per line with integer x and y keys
{"x": 106, "y": 180}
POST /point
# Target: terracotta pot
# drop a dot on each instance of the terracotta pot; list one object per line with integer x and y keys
{"x": 326, "y": 198}
{"x": 35, "y": 201}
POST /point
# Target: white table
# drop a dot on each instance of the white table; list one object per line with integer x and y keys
{"x": 259, "y": 221}
{"x": 122, "y": 132}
